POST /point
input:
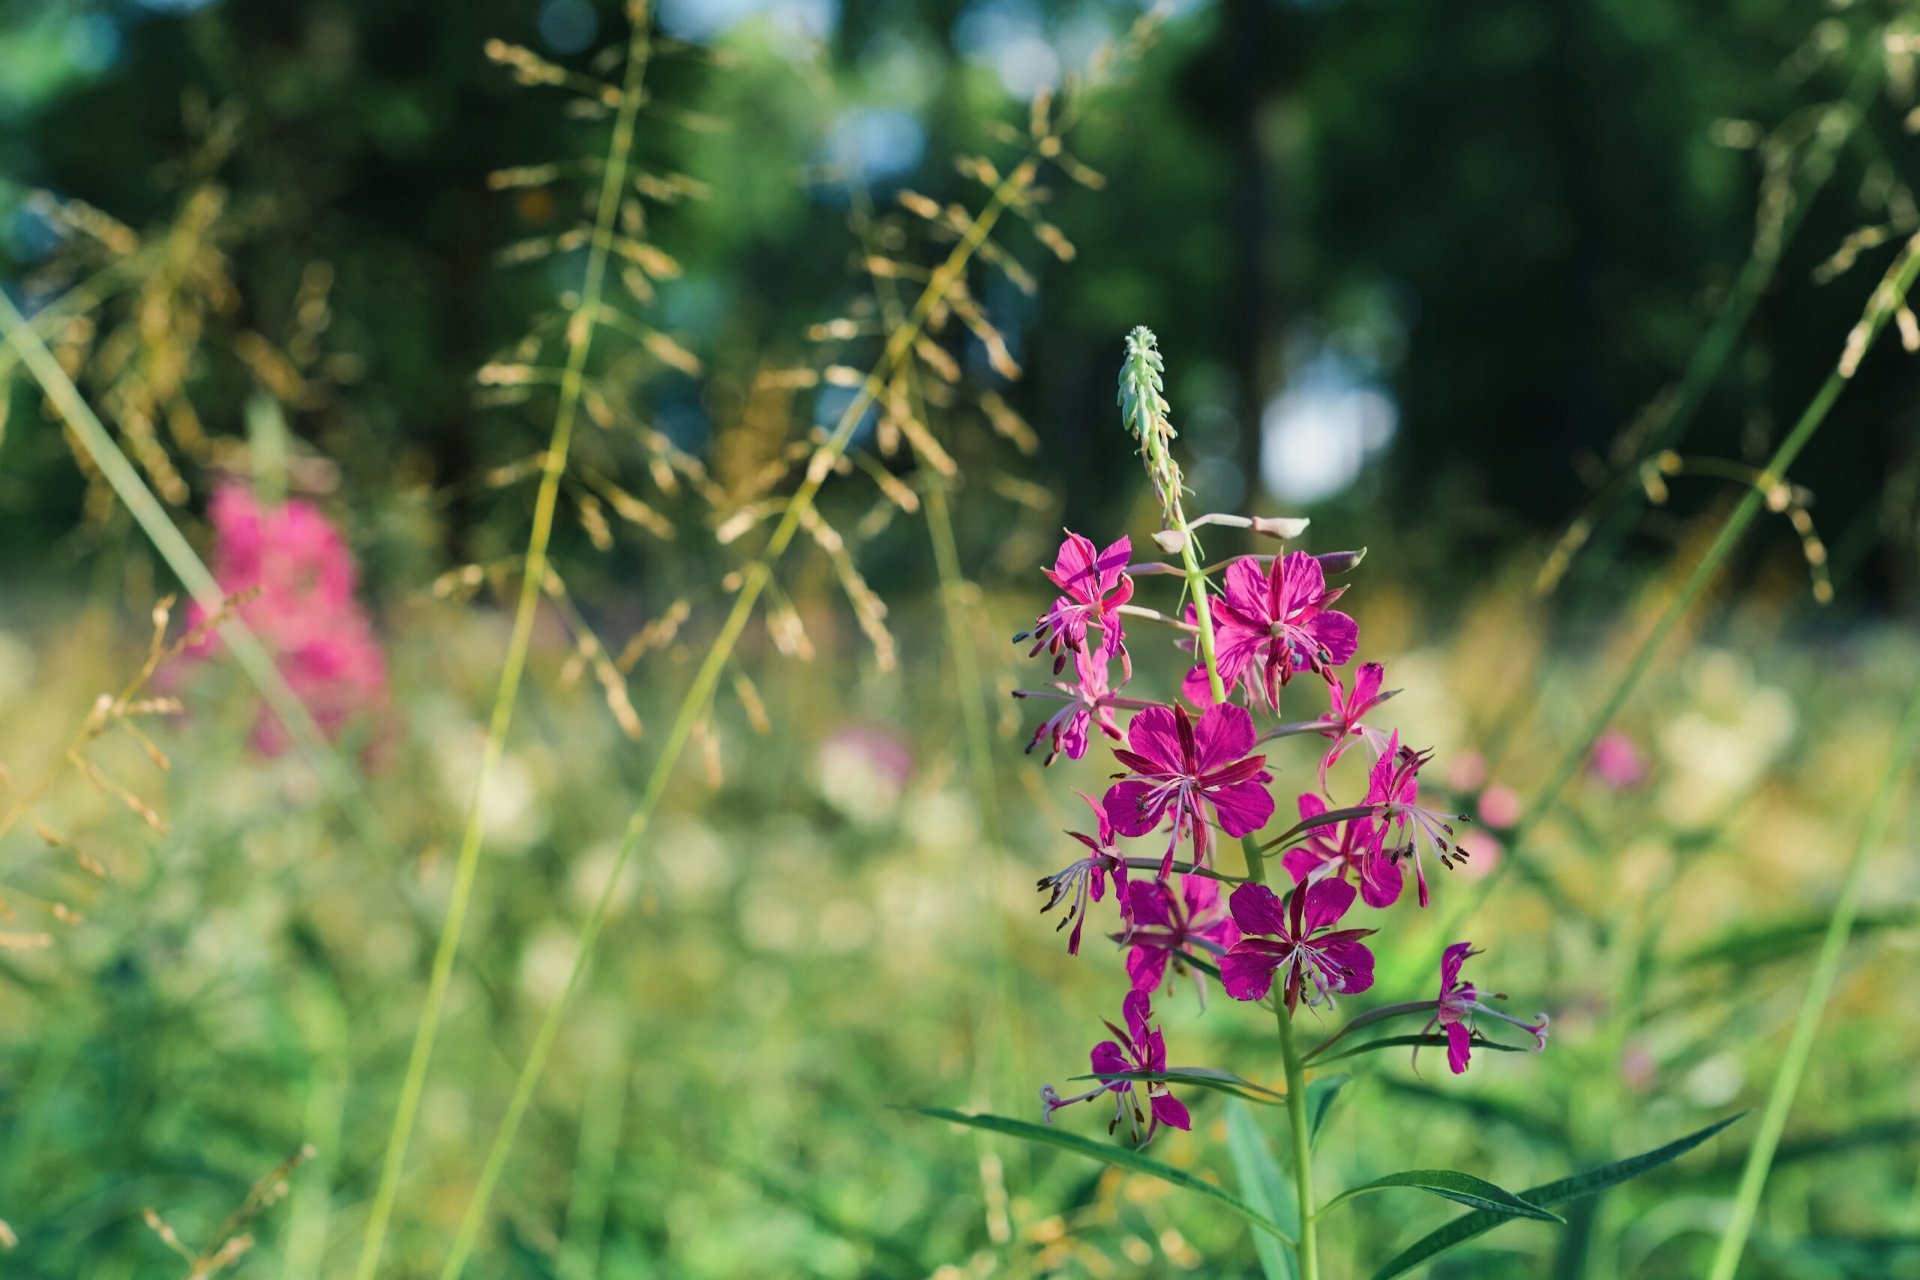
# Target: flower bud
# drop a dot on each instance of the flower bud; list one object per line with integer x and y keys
{"x": 1285, "y": 528}
{"x": 1341, "y": 561}
{"x": 1171, "y": 541}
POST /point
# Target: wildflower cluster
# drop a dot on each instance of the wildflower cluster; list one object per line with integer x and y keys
{"x": 1198, "y": 764}
{"x": 295, "y": 579}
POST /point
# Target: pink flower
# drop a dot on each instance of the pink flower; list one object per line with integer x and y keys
{"x": 1355, "y": 854}
{"x": 1296, "y": 940}
{"x": 1617, "y": 762}
{"x": 1168, "y": 926}
{"x": 1394, "y": 785}
{"x": 1343, "y": 721}
{"x": 1089, "y": 700}
{"x": 1499, "y": 806}
{"x": 1269, "y": 625}
{"x": 1137, "y": 1048}
{"x": 1183, "y": 769}
{"x": 1087, "y": 879}
{"x": 302, "y": 576}
{"x": 1093, "y": 585}
{"x": 1460, "y": 1002}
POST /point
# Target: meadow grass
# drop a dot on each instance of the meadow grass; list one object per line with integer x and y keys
{"x": 719, "y": 1094}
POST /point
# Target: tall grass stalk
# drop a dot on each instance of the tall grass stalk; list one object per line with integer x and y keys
{"x": 1820, "y": 983}
{"x": 700, "y": 693}
{"x": 342, "y": 781}
{"x": 579, "y": 336}
{"x": 990, "y": 1027}
{"x": 1888, "y": 296}
{"x": 1595, "y": 536}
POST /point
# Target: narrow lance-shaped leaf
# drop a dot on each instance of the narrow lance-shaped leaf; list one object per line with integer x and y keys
{"x": 1320, "y": 1096}
{"x": 1462, "y": 1188}
{"x": 1463, "y": 1229}
{"x": 1200, "y": 1078}
{"x": 1370, "y": 1018}
{"x": 1416, "y": 1041}
{"x": 1262, "y": 1183}
{"x": 1107, "y": 1153}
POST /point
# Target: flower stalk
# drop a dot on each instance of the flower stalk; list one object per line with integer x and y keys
{"x": 1144, "y": 405}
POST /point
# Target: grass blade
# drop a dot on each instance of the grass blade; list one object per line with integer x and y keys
{"x": 1418, "y": 1040}
{"x": 1320, "y": 1096}
{"x": 1264, "y": 1186}
{"x": 1826, "y": 970}
{"x": 1120, "y": 1157}
{"x": 1592, "y": 1181}
{"x": 1203, "y": 1078}
{"x": 1461, "y": 1188}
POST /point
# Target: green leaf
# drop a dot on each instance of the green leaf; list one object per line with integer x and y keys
{"x": 1264, "y": 1186}
{"x": 1320, "y": 1096}
{"x": 1462, "y": 1188}
{"x": 1107, "y": 1153}
{"x": 1370, "y": 1018}
{"x": 1201, "y": 1078}
{"x": 1463, "y": 1229}
{"x": 1424, "y": 1041}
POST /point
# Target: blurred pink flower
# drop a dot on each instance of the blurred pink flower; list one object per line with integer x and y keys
{"x": 1499, "y": 806}
{"x": 1616, "y": 761}
{"x": 301, "y": 576}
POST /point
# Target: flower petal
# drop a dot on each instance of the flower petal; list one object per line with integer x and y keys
{"x": 1137, "y": 1009}
{"x": 1155, "y": 734}
{"x": 1247, "y": 975}
{"x": 1225, "y": 734}
{"x": 1169, "y": 1111}
{"x": 1146, "y": 967}
{"x": 1134, "y": 807}
{"x": 1337, "y": 633}
{"x": 1243, "y": 808}
{"x": 1459, "y": 1051}
{"x": 1326, "y": 902}
{"x": 1450, "y": 961}
{"x": 1348, "y": 966}
{"x": 1256, "y": 909}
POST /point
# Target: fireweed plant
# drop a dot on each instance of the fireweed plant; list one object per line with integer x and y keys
{"x": 1292, "y": 922}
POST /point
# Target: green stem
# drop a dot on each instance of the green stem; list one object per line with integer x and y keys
{"x": 1826, "y": 971}
{"x": 533, "y": 576}
{"x": 705, "y": 681}
{"x": 1199, "y": 589}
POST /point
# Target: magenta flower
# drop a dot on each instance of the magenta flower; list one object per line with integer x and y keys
{"x": 1087, "y": 879}
{"x": 1297, "y": 941}
{"x": 1268, "y": 625}
{"x": 302, "y": 578}
{"x": 1343, "y": 721}
{"x": 1617, "y": 762}
{"x": 1137, "y": 1048}
{"x": 1394, "y": 785}
{"x": 1089, "y": 700}
{"x": 1093, "y": 585}
{"x": 1167, "y": 926}
{"x": 1348, "y": 851}
{"x": 1180, "y": 768}
{"x": 1460, "y": 1002}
